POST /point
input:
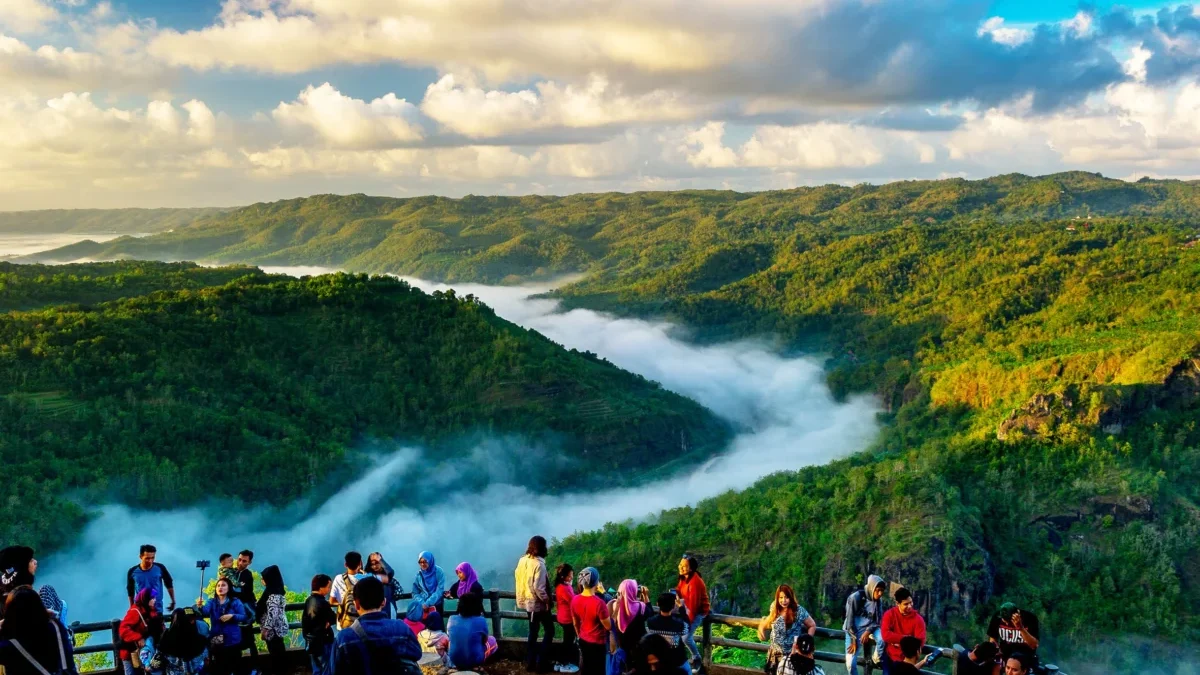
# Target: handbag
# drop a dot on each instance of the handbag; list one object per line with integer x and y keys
{"x": 772, "y": 664}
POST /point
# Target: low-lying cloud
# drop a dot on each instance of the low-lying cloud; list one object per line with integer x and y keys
{"x": 789, "y": 419}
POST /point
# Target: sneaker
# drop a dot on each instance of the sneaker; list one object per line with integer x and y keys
{"x": 566, "y": 668}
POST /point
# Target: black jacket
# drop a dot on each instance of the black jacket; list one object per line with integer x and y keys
{"x": 43, "y": 648}
{"x": 318, "y": 621}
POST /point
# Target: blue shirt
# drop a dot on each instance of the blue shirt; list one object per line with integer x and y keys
{"x": 467, "y": 637}
{"x": 389, "y": 643}
{"x": 154, "y": 578}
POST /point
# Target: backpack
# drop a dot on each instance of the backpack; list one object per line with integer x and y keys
{"x": 65, "y": 667}
{"x": 347, "y": 612}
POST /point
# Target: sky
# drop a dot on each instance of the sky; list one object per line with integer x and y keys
{"x": 114, "y": 103}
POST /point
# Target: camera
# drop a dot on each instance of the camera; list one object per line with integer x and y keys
{"x": 203, "y": 564}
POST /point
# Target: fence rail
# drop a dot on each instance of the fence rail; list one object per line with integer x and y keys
{"x": 497, "y": 617}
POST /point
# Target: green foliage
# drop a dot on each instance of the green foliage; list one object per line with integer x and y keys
{"x": 254, "y": 389}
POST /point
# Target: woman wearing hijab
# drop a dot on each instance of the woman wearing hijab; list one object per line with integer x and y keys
{"x": 224, "y": 612}
{"x": 468, "y": 591}
{"x": 31, "y": 641}
{"x": 629, "y": 611}
{"x": 429, "y": 586}
{"x": 183, "y": 648}
{"x": 273, "y": 618}
{"x": 591, "y": 618}
{"x": 17, "y": 568}
{"x": 142, "y": 622}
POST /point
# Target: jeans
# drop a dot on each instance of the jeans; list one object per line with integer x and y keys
{"x": 321, "y": 657}
{"x": 129, "y": 669}
{"x": 593, "y": 658}
{"x": 569, "y": 651}
{"x": 852, "y": 659}
{"x": 689, "y": 638}
{"x": 538, "y": 655}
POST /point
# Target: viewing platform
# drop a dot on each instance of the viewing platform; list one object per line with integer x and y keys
{"x": 511, "y": 654}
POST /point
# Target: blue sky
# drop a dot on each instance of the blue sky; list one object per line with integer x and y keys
{"x": 148, "y": 103}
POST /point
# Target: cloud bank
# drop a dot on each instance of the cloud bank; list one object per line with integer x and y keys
{"x": 789, "y": 417}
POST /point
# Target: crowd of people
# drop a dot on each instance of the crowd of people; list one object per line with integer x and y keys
{"x": 356, "y": 624}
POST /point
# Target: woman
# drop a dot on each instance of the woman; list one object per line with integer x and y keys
{"x": 694, "y": 596}
{"x": 17, "y": 568}
{"x": 568, "y": 658}
{"x": 56, "y": 607}
{"x": 629, "y": 611}
{"x": 224, "y": 612}
{"x": 787, "y": 621}
{"x": 142, "y": 622}
{"x": 387, "y": 576}
{"x": 533, "y": 597}
{"x": 591, "y": 618}
{"x": 183, "y": 648}
{"x": 468, "y": 591}
{"x": 273, "y": 618}
{"x": 429, "y": 586}
{"x": 31, "y": 641}
{"x": 656, "y": 655}
{"x": 470, "y": 644}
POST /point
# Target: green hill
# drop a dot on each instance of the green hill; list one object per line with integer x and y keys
{"x": 1035, "y": 341}
{"x": 101, "y": 221}
{"x": 251, "y": 390}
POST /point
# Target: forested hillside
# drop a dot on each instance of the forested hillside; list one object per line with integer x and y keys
{"x": 34, "y": 286}
{"x": 1035, "y": 341}
{"x": 257, "y": 390}
{"x": 101, "y": 221}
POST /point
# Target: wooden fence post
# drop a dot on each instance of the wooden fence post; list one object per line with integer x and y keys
{"x": 116, "y": 643}
{"x": 706, "y": 638}
{"x": 497, "y": 625}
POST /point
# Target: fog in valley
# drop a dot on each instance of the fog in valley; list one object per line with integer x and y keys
{"x": 786, "y": 415}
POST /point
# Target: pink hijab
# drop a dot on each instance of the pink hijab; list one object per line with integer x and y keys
{"x": 628, "y": 606}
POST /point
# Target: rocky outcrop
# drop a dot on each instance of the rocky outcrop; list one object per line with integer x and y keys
{"x": 1122, "y": 509}
{"x": 1040, "y": 415}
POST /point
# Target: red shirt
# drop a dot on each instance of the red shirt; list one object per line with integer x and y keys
{"x": 590, "y": 611}
{"x": 563, "y": 595}
{"x": 895, "y": 626}
{"x": 695, "y": 596}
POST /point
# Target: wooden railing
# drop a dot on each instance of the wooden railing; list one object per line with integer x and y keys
{"x": 497, "y": 615}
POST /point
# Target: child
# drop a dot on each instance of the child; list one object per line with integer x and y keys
{"x": 225, "y": 570}
{"x": 568, "y": 660}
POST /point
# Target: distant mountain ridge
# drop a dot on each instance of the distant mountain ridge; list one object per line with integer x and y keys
{"x": 101, "y": 221}
{"x": 506, "y": 239}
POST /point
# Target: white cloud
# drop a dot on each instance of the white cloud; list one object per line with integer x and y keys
{"x": 25, "y": 15}
{"x": 344, "y": 122}
{"x": 822, "y": 145}
{"x": 50, "y": 70}
{"x": 466, "y": 108}
{"x": 1005, "y": 35}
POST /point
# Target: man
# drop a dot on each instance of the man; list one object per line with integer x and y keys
{"x": 1014, "y": 630}
{"x": 244, "y": 589}
{"x": 317, "y": 625}
{"x": 864, "y": 612}
{"x": 343, "y": 589}
{"x": 979, "y": 661}
{"x": 1017, "y": 663}
{"x": 668, "y": 624}
{"x": 151, "y": 575}
{"x": 898, "y": 623}
{"x": 375, "y": 644}
{"x": 910, "y": 650}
